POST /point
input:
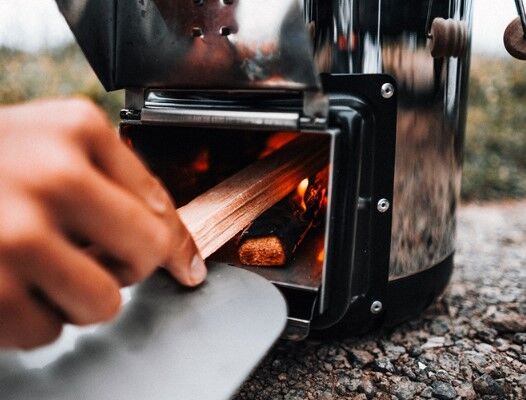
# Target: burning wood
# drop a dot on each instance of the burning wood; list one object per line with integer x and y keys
{"x": 272, "y": 239}
{"x": 218, "y": 215}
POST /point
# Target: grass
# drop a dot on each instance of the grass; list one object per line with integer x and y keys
{"x": 495, "y": 157}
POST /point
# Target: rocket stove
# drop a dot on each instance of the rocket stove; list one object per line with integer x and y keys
{"x": 210, "y": 83}
{"x": 356, "y": 109}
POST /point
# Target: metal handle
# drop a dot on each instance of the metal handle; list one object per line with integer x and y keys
{"x": 522, "y": 15}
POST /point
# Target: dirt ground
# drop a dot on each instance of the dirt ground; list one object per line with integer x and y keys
{"x": 470, "y": 345}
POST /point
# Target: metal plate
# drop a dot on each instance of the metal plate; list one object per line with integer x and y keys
{"x": 169, "y": 343}
{"x": 247, "y": 44}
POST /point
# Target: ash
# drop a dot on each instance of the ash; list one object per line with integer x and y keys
{"x": 469, "y": 345}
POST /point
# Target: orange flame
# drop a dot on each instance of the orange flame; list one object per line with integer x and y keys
{"x": 300, "y": 191}
{"x": 321, "y": 256}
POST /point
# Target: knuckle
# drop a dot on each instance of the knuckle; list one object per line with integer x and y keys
{"x": 23, "y": 235}
{"x": 83, "y": 115}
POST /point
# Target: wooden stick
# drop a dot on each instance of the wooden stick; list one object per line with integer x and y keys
{"x": 272, "y": 239}
{"x": 218, "y": 215}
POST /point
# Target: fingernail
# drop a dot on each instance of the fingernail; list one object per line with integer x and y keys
{"x": 158, "y": 200}
{"x": 198, "y": 269}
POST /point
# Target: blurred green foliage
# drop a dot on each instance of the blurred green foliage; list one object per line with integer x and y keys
{"x": 58, "y": 72}
{"x": 495, "y": 157}
{"x": 495, "y": 153}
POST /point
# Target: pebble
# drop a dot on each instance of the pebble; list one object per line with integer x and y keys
{"x": 509, "y": 322}
{"x": 486, "y": 385}
{"x": 405, "y": 389}
{"x": 362, "y": 357}
{"x": 439, "y": 327}
{"x": 383, "y": 365}
{"x": 443, "y": 390}
{"x": 434, "y": 342}
{"x": 520, "y": 338}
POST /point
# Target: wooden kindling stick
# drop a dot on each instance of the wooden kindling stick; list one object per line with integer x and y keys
{"x": 219, "y": 214}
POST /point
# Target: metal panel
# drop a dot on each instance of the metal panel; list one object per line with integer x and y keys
{"x": 93, "y": 24}
{"x": 169, "y": 343}
{"x": 390, "y": 36}
{"x": 195, "y": 44}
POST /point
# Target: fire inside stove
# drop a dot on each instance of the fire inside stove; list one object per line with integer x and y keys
{"x": 285, "y": 243}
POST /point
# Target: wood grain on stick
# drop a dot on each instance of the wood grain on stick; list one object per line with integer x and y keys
{"x": 219, "y": 214}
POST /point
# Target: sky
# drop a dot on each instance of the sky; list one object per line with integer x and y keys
{"x": 36, "y": 24}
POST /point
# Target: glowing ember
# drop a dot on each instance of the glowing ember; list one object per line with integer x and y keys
{"x": 202, "y": 162}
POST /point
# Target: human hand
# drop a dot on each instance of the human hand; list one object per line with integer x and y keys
{"x": 80, "y": 216}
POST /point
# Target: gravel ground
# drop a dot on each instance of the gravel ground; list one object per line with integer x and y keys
{"x": 470, "y": 345}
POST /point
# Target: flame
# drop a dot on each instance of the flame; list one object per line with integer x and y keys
{"x": 321, "y": 256}
{"x": 202, "y": 162}
{"x": 300, "y": 191}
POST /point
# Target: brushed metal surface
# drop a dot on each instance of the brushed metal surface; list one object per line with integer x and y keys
{"x": 249, "y": 44}
{"x": 390, "y": 36}
{"x": 169, "y": 343}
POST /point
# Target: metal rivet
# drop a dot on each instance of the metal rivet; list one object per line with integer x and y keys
{"x": 376, "y": 307}
{"x": 197, "y": 32}
{"x": 225, "y": 31}
{"x": 383, "y": 205}
{"x": 387, "y": 90}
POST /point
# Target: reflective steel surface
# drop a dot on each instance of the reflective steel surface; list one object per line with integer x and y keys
{"x": 231, "y": 44}
{"x": 390, "y": 36}
{"x": 169, "y": 343}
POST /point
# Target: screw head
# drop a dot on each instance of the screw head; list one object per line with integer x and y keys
{"x": 387, "y": 90}
{"x": 376, "y": 307}
{"x": 383, "y": 205}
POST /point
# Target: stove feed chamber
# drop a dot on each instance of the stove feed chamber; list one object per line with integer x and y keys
{"x": 214, "y": 85}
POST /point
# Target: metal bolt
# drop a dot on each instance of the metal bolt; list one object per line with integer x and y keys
{"x": 387, "y": 90}
{"x": 225, "y": 31}
{"x": 376, "y": 307}
{"x": 197, "y": 32}
{"x": 383, "y": 205}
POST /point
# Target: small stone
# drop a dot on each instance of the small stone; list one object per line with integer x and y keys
{"x": 383, "y": 365}
{"x": 342, "y": 385}
{"x": 421, "y": 366}
{"x": 362, "y": 357}
{"x": 509, "y": 322}
{"x": 405, "y": 389}
{"x": 484, "y": 348}
{"x": 439, "y": 327}
{"x": 394, "y": 352}
{"x": 360, "y": 396}
{"x": 466, "y": 391}
{"x": 434, "y": 342}
{"x": 486, "y": 385}
{"x": 443, "y": 390}
{"x": 368, "y": 387}
{"x": 520, "y": 338}
{"x": 427, "y": 393}
{"x": 282, "y": 377}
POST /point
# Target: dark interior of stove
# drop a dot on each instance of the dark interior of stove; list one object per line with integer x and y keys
{"x": 190, "y": 161}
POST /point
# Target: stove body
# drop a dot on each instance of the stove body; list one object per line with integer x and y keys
{"x": 220, "y": 77}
